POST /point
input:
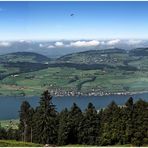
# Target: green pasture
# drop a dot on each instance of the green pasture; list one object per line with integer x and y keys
{"x": 13, "y": 143}
{"x": 13, "y": 123}
{"x": 33, "y": 83}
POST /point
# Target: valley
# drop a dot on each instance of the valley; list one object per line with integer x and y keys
{"x": 91, "y": 73}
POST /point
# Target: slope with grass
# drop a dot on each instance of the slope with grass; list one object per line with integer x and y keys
{"x": 13, "y": 123}
{"x": 24, "y": 57}
{"x": 13, "y": 143}
{"x": 14, "y": 63}
{"x": 60, "y": 80}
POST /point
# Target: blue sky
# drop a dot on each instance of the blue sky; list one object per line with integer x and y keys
{"x": 92, "y": 20}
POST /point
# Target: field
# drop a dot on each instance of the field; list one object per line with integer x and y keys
{"x": 9, "y": 123}
{"x": 79, "y": 145}
{"x": 86, "y": 73}
{"x": 63, "y": 79}
{"x": 13, "y": 143}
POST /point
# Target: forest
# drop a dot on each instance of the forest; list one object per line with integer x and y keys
{"x": 113, "y": 125}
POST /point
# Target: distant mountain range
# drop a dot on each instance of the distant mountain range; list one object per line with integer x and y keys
{"x": 56, "y": 49}
{"x": 24, "y": 57}
{"x": 113, "y": 55}
{"x": 91, "y": 59}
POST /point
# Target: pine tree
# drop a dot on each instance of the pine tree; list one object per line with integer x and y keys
{"x": 110, "y": 124}
{"x": 45, "y": 124}
{"x": 25, "y": 121}
{"x": 129, "y": 109}
{"x": 140, "y": 122}
{"x": 63, "y": 128}
{"x": 89, "y": 128}
{"x": 75, "y": 117}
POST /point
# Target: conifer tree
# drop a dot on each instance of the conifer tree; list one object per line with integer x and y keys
{"x": 89, "y": 128}
{"x": 25, "y": 121}
{"x": 45, "y": 124}
{"x": 129, "y": 110}
{"x": 63, "y": 128}
{"x": 75, "y": 117}
{"x": 140, "y": 128}
{"x": 110, "y": 124}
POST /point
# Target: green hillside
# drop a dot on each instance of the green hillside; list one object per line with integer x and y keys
{"x": 24, "y": 57}
{"x": 21, "y": 62}
{"x": 95, "y": 71}
{"x": 108, "y": 56}
{"x": 117, "y": 58}
{"x": 13, "y": 143}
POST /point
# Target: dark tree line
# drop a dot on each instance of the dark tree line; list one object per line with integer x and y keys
{"x": 109, "y": 126}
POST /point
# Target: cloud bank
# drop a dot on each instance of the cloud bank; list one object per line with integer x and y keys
{"x": 113, "y": 42}
{"x": 92, "y": 43}
{"x": 5, "y": 44}
{"x": 59, "y": 44}
{"x": 85, "y": 43}
{"x": 134, "y": 42}
{"x": 71, "y": 44}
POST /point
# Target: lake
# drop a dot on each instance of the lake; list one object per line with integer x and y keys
{"x": 9, "y": 106}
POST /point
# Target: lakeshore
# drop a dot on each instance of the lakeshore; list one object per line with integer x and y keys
{"x": 10, "y": 105}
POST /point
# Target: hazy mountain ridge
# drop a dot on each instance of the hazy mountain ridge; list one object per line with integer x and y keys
{"x": 24, "y": 57}
{"x": 58, "y": 48}
{"x": 113, "y": 56}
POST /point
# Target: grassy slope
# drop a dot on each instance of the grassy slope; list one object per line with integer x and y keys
{"x": 117, "y": 145}
{"x": 24, "y": 57}
{"x": 10, "y": 123}
{"x": 13, "y": 143}
{"x": 34, "y": 83}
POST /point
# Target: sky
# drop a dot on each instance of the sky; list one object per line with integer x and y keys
{"x": 91, "y": 20}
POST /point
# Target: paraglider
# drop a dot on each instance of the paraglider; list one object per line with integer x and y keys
{"x": 71, "y": 14}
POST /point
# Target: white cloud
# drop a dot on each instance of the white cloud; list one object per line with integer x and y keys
{"x": 102, "y": 43}
{"x": 133, "y": 42}
{"x": 113, "y": 42}
{"x": 59, "y": 44}
{"x": 51, "y": 46}
{"x": 41, "y": 45}
{"x": 25, "y": 41}
{"x": 85, "y": 43}
{"x": 21, "y": 41}
{"x": 5, "y": 44}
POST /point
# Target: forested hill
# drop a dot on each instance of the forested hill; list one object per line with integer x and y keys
{"x": 139, "y": 52}
{"x": 94, "y": 56}
{"x": 21, "y": 62}
{"x": 24, "y": 57}
{"x": 112, "y": 57}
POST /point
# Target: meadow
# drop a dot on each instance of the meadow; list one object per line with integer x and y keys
{"x": 13, "y": 123}
{"x": 14, "y": 143}
{"x": 111, "y": 81}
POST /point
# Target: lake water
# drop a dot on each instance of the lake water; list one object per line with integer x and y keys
{"x": 9, "y": 106}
